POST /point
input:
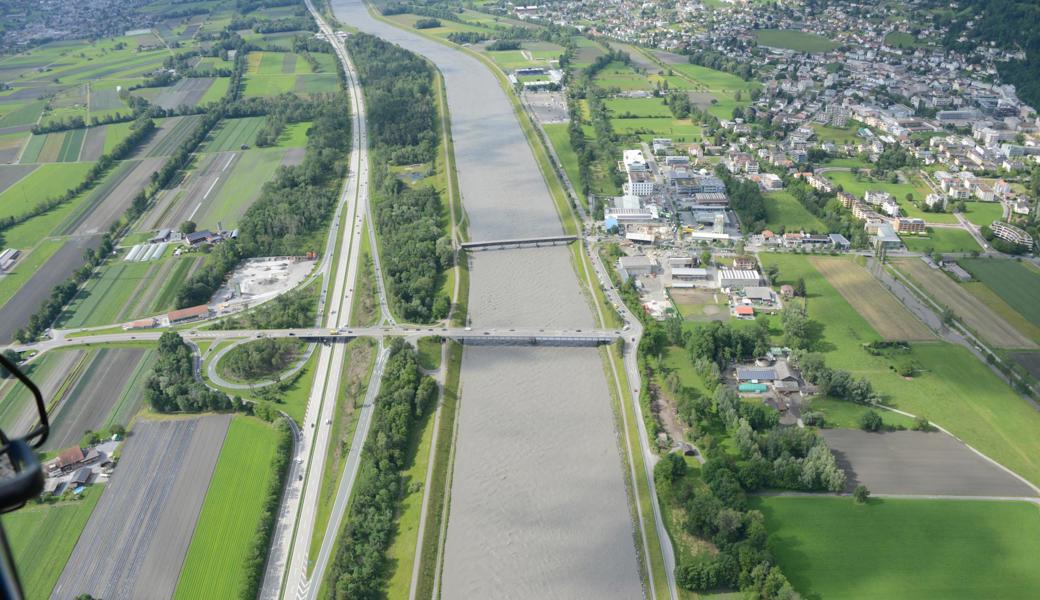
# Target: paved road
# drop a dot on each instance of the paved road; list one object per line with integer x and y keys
{"x": 214, "y": 376}
{"x": 322, "y": 403}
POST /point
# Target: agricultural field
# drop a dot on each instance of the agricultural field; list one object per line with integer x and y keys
{"x": 51, "y": 372}
{"x": 877, "y": 305}
{"x": 1016, "y": 284}
{"x": 227, "y": 524}
{"x": 272, "y": 73}
{"x": 835, "y": 548}
{"x": 241, "y": 186}
{"x": 794, "y": 40}
{"x": 172, "y": 132}
{"x": 941, "y": 239}
{"x": 11, "y": 145}
{"x": 699, "y": 305}
{"x": 785, "y": 213}
{"x": 123, "y": 291}
{"x": 949, "y": 386}
{"x": 42, "y": 537}
{"x": 96, "y": 399}
{"x": 232, "y": 134}
{"x": 47, "y": 181}
{"x": 144, "y": 521}
{"x": 975, "y": 314}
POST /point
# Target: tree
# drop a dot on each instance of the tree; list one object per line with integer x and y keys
{"x": 187, "y": 227}
{"x": 861, "y": 494}
{"x": 117, "y": 429}
{"x": 12, "y": 357}
{"x": 870, "y": 421}
{"x": 799, "y": 288}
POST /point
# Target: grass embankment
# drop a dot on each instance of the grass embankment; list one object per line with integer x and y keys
{"x": 42, "y": 537}
{"x": 230, "y": 514}
{"x": 440, "y": 482}
{"x": 835, "y": 548}
{"x": 950, "y": 386}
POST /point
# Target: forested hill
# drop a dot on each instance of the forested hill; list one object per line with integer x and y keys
{"x": 1011, "y": 24}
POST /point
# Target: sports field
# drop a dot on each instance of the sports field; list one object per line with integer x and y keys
{"x": 979, "y": 317}
{"x": 835, "y": 548}
{"x": 794, "y": 40}
{"x": 885, "y": 313}
{"x": 42, "y": 537}
{"x": 785, "y": 213}
{"x": 230, "y": 514}
{"x": 1013, "y": 282}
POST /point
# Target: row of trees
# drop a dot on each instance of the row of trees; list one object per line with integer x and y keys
{"x": 359, "y": 567}
{"x": 401, "y": 102}
{"x": 297, "y": 308}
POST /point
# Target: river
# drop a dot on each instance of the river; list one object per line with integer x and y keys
{"x": 538, "y": 505}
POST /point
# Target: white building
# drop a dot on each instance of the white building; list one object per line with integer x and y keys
{"x": 738, "y": 278}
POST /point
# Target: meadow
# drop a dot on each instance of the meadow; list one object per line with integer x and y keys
{"x": 42, "y": 538}
{"x": 785, "y": 213}
{"x": 869, "y": 298}
{"x": 835, "y": 548}
{"x": 950, "y": 386}
{"x": 241, "y": 188}
{"x": 230, "y": 515}
{"x": 232, "y": 134}
{"x": 1014, "y": 283}
{"x": 559, "y": 136}
{"x": 794, "y": 40}
{"x": 984, "y": 213}
{"x": 941, "y": 240}
{"x": 47, "y": 181}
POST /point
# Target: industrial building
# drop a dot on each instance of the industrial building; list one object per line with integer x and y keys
{"x": 734, "y": 278}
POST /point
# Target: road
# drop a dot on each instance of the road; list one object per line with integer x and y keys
{"x": 287, "y": 571}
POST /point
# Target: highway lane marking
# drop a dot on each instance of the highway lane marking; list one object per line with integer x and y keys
{"x": 192, "y": 215}
{"x": 228, "y": 163}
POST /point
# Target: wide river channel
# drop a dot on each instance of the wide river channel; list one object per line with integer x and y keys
{"x": 538, "y": 501}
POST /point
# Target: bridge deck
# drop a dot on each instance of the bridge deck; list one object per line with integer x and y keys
{"x": 535, "y": 241}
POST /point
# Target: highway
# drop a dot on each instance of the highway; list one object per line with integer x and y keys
{"x": 287, "y": 571}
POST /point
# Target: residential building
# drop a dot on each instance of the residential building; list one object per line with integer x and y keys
{"x": 909, "y": 225}
{"x": 1012, "y": 234}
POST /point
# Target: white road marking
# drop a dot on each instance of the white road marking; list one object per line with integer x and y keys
{"x": 206, "y": 195}
{"x": 192, "y": 215}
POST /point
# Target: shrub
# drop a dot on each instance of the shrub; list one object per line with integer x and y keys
{"x": 871, "y": 421}
{"x": 861, "y": 494}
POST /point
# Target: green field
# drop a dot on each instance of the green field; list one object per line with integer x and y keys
{"x": 232, "y": 134}
{"x": 26, "y": 267}
{"x": 950, "y": 387}
{"x": 641, "y": 107}
{"x": 294, "y": 135}
{"x": 224, "y": 533}
{"x": 984, "y": 213}
{"x": 429, "y": 350}
{"x": 47, "y": 181}
{"x": 941, "y": 240}
{"x": 242, "y": 187}
{"x": 104, "y": 297}
{"x": 794, "y": 40}
{"x": 267, "y": 85}
{"x": 647, "y": 128}
{"x": 25, "y": 114}
{"x": 71, "y": 145}
{"x": 560, "y": 139}
{"x": 42, "y": 538}
{"x": 622, "y": 76}
{"x": 840, "y": 136}
{"x": 835, "y": 548}
{"x": 785, "y": 213}
{"x": 115, "y": 133}
{"x": 845, "y": 415}
{"x": 901, "y": 39}
{"x": 216, "y": 91}
{"x": 1009, "y": 279}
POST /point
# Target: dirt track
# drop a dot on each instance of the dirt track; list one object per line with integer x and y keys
{"x": 872, "y": 301}
{"x": 979, "y": 317}
{"x": 134, "y": 543}
{"x": 914, "y": 462}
